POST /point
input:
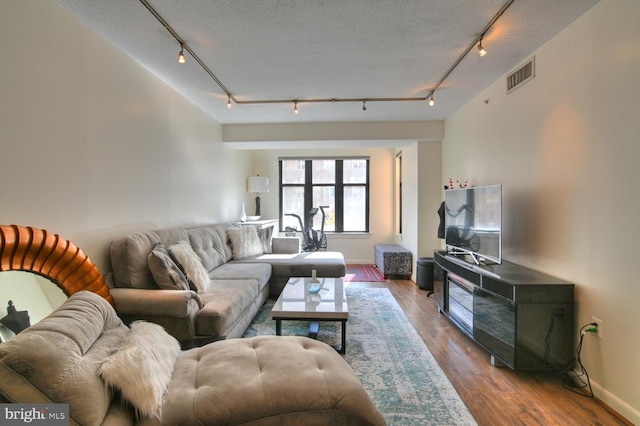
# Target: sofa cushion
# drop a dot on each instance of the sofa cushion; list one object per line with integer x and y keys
{"x": 326, "y": 264}
{"x": 129, "y": 256}
{"x": 56, "y": 360}
{"x": 208, "y": 246}
{"x": 266, "y": 235}
{"x": 224, "y": 303}
{"x": 166, "y": 273}
{"x": 285, "y": 245}
{"x": 222, "y": 231}
{"x": 259, "y": 271}
{"x": 141, "y": 368}
{"x": 190, "y": 264}
{"x": 245, "y": 242}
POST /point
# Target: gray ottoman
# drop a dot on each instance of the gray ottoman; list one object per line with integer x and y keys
{"x": 393, "y": 260}
{"x": 267, "y": 381}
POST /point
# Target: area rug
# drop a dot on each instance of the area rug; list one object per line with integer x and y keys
{"x": 389, "y": 357}
{"x": 363, "y": 273}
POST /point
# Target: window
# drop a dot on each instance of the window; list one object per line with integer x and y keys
{"x": 339, "y": 185}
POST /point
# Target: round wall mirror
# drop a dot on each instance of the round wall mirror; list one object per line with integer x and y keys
{"x": 30, "y": 297}
{"x": 50, "y": 259}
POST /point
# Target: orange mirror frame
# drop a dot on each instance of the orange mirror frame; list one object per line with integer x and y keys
{"x": 51, "y": 256}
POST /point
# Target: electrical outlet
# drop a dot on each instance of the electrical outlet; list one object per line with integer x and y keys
{"x": 599, "y": 323}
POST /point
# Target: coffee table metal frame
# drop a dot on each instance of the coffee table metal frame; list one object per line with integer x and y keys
{"x": 296, "y": 303}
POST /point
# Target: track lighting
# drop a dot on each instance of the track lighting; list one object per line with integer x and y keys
{"x": 481, "y": 50}
{"x": 181, "y": 58}
{"x": 476, "y": 42}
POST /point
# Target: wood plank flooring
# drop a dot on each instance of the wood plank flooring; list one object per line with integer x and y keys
{"x": 495, "y": 396}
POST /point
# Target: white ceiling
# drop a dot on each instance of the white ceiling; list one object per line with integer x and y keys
{"x": 303, "y": 49}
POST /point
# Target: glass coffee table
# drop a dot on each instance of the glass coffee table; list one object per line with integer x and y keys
{"x": 296, "y": 303}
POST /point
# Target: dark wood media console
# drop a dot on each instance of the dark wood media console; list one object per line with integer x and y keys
{"x": 522, "y": 317}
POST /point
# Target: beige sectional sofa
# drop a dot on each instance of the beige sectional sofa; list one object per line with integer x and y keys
{"x": 83, "y": 355}
{"x": 224, "y": 275}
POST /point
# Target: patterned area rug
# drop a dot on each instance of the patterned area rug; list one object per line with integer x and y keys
{"x": 363, "y": 273}
{"x": 391, "y": 360}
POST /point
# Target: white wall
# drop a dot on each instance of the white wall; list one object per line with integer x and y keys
{"x": 94, "y": 146}
{"x": 565, "y": 147}
{"x": 422, "y": 195}
{"x": 429, "y": 192}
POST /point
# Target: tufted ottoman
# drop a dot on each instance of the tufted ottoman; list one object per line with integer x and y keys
{"x": 267, "y": 380}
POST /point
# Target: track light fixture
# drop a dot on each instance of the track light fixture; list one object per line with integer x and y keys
{"x": 481, "y": 50}
{"x": 431, "y": 102}
{"x": 181, "y": 57}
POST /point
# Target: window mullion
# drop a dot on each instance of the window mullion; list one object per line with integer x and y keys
{"x": 308, "y": 192}
{"x": 339, "y": 196}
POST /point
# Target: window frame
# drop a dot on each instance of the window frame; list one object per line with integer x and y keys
{"x": 339, "y": 186}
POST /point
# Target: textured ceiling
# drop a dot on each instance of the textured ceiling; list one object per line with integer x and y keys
{"x": 303, "y": 49}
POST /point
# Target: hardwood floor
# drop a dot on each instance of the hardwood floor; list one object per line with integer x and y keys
{"x": 495, "y": 396}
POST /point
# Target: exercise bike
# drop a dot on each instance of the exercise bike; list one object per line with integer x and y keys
{"x": 312, "y": 240}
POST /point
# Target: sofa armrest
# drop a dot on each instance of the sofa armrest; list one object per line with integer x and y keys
{"x": 285, "y": 245}
{"x": 172, "y": 303}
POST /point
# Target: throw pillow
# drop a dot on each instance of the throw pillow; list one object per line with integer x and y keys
{"x": 265, "y": 235}
{"x": 165, "y": 272}
{"x": 191, "y": 265}
{"x": 141, "y": 369}
{"x": 245, "y": 242}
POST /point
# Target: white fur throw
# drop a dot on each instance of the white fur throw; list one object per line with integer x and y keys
{"x": 141, "y": 369}
{"x": 191, "y": 265}
{"x": 245, "y": 242}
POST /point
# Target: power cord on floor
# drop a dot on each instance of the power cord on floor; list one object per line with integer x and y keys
{"x": 573, "y": 380}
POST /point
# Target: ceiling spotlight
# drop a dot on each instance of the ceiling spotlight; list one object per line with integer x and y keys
{"x": 295, "y": 108}
{"x": 481, "y": 50}
{"x": 432, "y": 102}
{"x": 229, "y": 102}
{"x": 181, "y": 58}
{"x": 364, "y": 105}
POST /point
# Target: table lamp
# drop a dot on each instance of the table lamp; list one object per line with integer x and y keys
{"x": 258, "y": 184}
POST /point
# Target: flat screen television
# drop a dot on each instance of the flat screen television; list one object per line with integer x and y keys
{"x": 473, "y": 222}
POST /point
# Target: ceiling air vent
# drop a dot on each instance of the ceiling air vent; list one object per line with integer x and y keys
{"x": 521, "y": 75}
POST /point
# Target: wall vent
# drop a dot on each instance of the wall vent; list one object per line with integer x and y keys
{"x": 521, "y": 75}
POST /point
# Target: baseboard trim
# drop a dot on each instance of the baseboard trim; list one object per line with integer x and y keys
{"x": 616, "y": 404}
{"x": 359, "y": 262}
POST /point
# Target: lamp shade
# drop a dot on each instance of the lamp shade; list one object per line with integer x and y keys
{"x": 258, "y": 184}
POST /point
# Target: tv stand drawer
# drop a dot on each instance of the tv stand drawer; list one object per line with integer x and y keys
{"x": 498, "y": 287}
